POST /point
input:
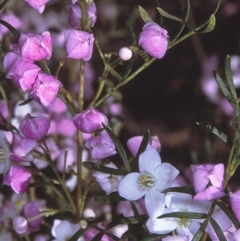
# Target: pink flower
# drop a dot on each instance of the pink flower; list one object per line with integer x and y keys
{"x": 154, "y": 40}
{"x": 79, "y": 44}
{"x": 34, "y": 128}
{"x": 89, "y": 120}
{"x": 125, "y": 53}
{"x": 36, "y": 46}
{"x": 75, "y": 15}
{"x": 235, "y": 202}
{"x": 101, "y": 146}
{"x": 18, "y": 178}
{"x": 22, "y": 72}
{"x": 134, "y": 143}
{"x": 208, "y": 181}
{"x": 38, "y": 5}
{"x": 45, "y": 89}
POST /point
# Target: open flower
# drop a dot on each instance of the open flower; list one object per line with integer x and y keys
{"x": 179, "y": 202}
{"x": 154, "y": 177}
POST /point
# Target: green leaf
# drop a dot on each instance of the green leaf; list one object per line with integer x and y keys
{"x": 218, "y": 230}
{"x": 200, "y": 231}
{"x": 119, "y": 148}
{"x": 111, "y": 198}
{"x": 25, "y": 102}
{"x": 183, "y": 189}
{"x": 229, "y": 213}
{"x": 153, "y": 237}
{"x": 78, "y": 234}
{"x": 185, "y": 18}
{"x": 229, "y": 76}
{"x": 213, "y": 130}
{"x": 144, "y": 15}
{"x": 13, "y": 31}
{"x": 211, "y": 24}
{"x": 3, "y": 5}
{"x": 101, "y": 168}
{"x": 224, "y": 88}
{"x": 191, "y": 215}
{"x": 142, "y": 148}
{"x": 98, "y": 237}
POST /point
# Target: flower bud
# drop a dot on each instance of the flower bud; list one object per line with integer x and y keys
{"x": 125, "y": 53}
{"x": 101, "y": 146}
{"x": 34, "y": 128}
{"x": 36, "y": 46}
{"x": 18, "y": 178}
{"x": 75, "y": 15}
{"x": 79, "y": 44}
{"x": 89, "y": 120}
{"x": 20, "y": 224}
{"x": 37, "y": 5}
{"x": 153, "y": 39}
{"x": 45, "y": 89}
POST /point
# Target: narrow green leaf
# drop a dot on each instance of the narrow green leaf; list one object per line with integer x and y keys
{"x": 185, "y": 18}
{"x": 3, "y": 5}
{"x": 211, "y": 24}
{"x": 98, "y": 237}
{"x": 144, "y": 15}
{"x": 218, "y": 230}
{"x": 111, "y": 198}
{"x": 229, "y": 76}
{"x": 101, "y": 168}
{"x": 25, "y": 102}
{"x": 78, "y": 234}
{"x": 141, "y": 149}
{"x": 153, "y": 237}
{"x": 223, "y": 87}
{"x": 13, "y": 31}
{"x": 230, "y": 214}
{"x": 200, "y": 231}
{"x": 182, "y": 189}
{"x": 213, "y": 130}
{"x": 190, "y": 215}
{"x": 119, "y": 147}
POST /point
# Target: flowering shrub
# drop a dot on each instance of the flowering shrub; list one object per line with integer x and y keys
{"x": 82, "y": 158}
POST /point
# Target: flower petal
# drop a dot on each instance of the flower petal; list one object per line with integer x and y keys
{"x": 178, "y": 201}
{"x": 129, "y": 187}
{"x": 149, "y": 160}
{"x": 154, "y": 203}
{"x": 165, "y": 174}
{"x": 161, "y": 226}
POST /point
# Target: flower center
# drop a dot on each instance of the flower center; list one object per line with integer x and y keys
{"x": 183, "y": 222}
{"x": 2, "y": 155}
{"x": 146, "y": 181}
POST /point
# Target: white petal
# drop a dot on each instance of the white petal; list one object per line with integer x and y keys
{"x": 154, "y": 203}
{"x": 129, "y": 187}
{"x": 165, "y": 174}
{"x": 149, "y": 160}
{"x": 178, "y": 201}
{"x": 161, "y": 226}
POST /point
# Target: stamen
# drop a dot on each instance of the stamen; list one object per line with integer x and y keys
{"x": 146, "y": 181}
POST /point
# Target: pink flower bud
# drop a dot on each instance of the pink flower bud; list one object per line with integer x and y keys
{"x": 45, "y": 89}
{"x": 89, "y": 120}
{"x": 38, "y": 5}
{"x": 20, "y": 224}
{"x": 154, "y": 40}
{"x": 125, "y": 53}
{"x": 36, "y": 46}
{"x": 18, "y": 178}
{"x": 34, "y": 128}
{"x": 101, "y": 146}
{"x": 134, "y": 143}
{"x": 79, "y": 44}
{"x": 22, "y": 72}
{"x": 75, "y": 15}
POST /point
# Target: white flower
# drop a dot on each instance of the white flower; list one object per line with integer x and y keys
{"x": 63, "y": 230}
{"x": 179, "y": 202}
{"x": 154, "y": 177}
